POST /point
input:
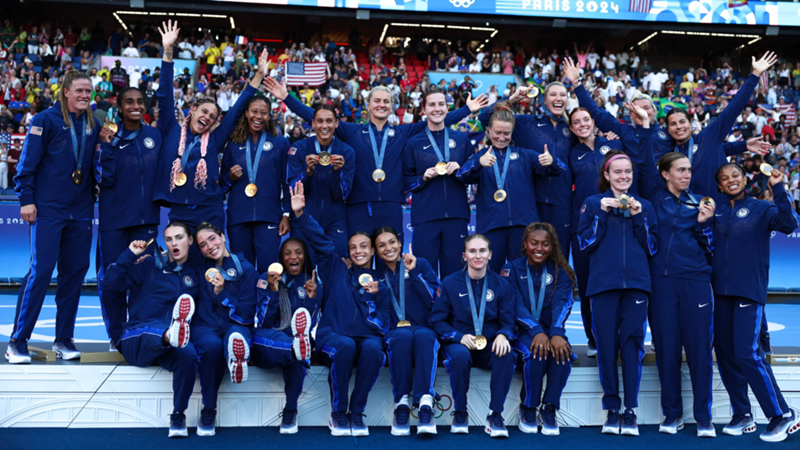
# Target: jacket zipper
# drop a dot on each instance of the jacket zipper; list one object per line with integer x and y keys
{"x": 671, "y": 237}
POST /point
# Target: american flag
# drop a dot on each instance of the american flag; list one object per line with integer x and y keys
{"x": 313, "y": 73}
{"x": 640, "y": 6}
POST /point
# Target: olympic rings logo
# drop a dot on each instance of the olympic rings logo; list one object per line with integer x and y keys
{"x": 462, "y": 3}
{"x": 437, "y": 404}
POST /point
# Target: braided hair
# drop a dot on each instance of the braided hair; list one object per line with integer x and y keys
{"x": 556, "y": 255}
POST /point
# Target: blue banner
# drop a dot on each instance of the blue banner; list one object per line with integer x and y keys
{"x": 773, "y": 13}
{"x": 482, "y": 80}
{"x": 129, "y": 64}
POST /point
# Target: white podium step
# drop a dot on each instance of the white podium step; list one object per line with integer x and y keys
{"x": 96, "y": 396}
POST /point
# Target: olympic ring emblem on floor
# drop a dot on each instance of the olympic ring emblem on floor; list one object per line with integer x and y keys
{"x": 438, "y": 406}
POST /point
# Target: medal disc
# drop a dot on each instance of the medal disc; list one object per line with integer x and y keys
{"x": 111, "y": 126}
{"x": 211, "y": 273}
{"x": 180, "y": 179}
{"x": 77, "y": 177}
{"x": 364, "y": 279}
{"x": 379, "y": 175}
{"x": 500, "y": 195}
{"x": 441, "y": 168}
{"x": 480, "y": 342}
{"x": 624, "y": 201}
{"x": 275, "y": 267}
{"x": 250, "y": 190}
{"x": 324, "y": 159}
{"x": 149, "y": 242}
{"x": 707, "y": 200}
{"x": 403, "y": 323}
{"x": 533, "y": 93}
{"x": 766, "y": 169}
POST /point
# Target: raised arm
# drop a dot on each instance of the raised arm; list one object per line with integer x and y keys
{"x": 781, "y": 215}
{"x": 164, "y": 95}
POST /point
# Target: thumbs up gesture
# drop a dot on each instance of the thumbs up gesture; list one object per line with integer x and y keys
{"x": 409, "y": 260}
{"x": 545, "y": 158}
{"x": 488, "y": 159}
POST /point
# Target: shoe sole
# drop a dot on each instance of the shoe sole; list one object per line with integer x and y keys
{"x": 239, "y": 353}
{"x": 179, "y": 433}
{"x": 630, "y": 432}
{"x": 289, "y": 430}
{"x": 14, "y": 359}
{"x": 60, "y": 354}
{"x": 546, "y": 432}
{"x": 401, "y": 432}
{"x": 430, "y": 429}
{"x": 338, "y": 432}
{"x": 301, "y": 321}
{"x": 495, "y": 434}
{"x": 671, "y": 430}
{"x": 206, "y": 433}
{"x": 609, "y": 430}
{"x": 528, "y": 428}
{"x": 795, "y": 427}
{"x": 706, "y": 434}
{"x": 748, "y": 429}
{"x": 459, "y": 430}
{"x": 360, "y": 433}
{"x": 182, "y": 314}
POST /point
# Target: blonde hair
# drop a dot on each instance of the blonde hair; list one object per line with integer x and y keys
{"x": 379, "y": 89}
{"x": 547, "y": 89}
{"x": 639, "y": 95}
{"x": 69, "y": 77}
{"x": 503, "y": 113}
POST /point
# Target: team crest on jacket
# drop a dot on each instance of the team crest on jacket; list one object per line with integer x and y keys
{"x": 267, "y": 146}
{"x": 505, "y": 272}
{"x": 565, "y": 131}
{"x": 662, "y": 135}
{"x": 514, "y": 156}
{"x": 187, "y": 280}
{"x": 149, "y": 142}
{"x": 742, "y": 213}
{"x": 694, "y": 149}
{"x": 89, "y": 130}
{"x": 407, "y": 276}
{"x": 604, "y": 149}
{"x": 232, "y": 272}
{"x": 452, "y": 143}
{"x": 489, "y": 295}
{"x": 301, "y": 292}
{"x": 549, "y": 279}
{"x": 391, "y": 132}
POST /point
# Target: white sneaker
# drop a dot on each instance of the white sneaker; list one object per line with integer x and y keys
{"x": 66, "y": 350}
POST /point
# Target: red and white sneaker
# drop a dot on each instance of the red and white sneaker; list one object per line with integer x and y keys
{"x": 238, "y": 355}
{"x": 181, "y": 317}
{"x": 301, "y": 326}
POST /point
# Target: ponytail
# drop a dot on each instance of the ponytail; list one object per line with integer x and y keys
{"x": 69, "y": 77}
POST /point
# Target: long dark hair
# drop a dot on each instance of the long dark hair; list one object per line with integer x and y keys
{"x": 242, "y": 130}
{"x": 284, "y": 304}
{"x": 556, "y": 255}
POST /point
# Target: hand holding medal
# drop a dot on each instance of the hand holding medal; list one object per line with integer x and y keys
{"x": 108, "y": 131}
{"x": 706, "y": 209}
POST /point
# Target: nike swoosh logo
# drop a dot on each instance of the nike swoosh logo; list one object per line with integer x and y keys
{"x": 581, "y": 157}
{"x": 123, "y": 146}
{"x": 463, "y": 236}
{"x": 271, "y": 227}
{"x": 426, "y": 147}
{"x": 339, "y": 231}
{"x": 167, "y": 272}
{"x": 241, "y": 148}
{"x": 522, "y": 278}
{"x": 462, "y": 295}
{"x": 717, "y": 215}
{"x": 742, "y": 305}
{"x": 66, "y": 128}
{"x": 542, "y": 125}
{"x": 639, "y": 302}
{"x": 365, "y": 131}
{"x": 703, "y": 305}
{"x": 151, "y": 231}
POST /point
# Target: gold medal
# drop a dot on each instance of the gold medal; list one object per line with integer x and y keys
{"x": 77, "y": 177}
{"x": 324, "y": 159}
{"x": 480, "y": 342}
{"x": 211, "y": 273}
{"x": 364, "y": 279}
{"x": 766, "y": 169}
{"x": 624, "y": 201}
{"x": 276, "y": 268}
{"x": 180, "y": 180}
{"x": 708, "y": 201}
{"x": 500, "y": 195}
{"x": 533, "y": 93}
{"x": 379, "y": 175}
{"x": 250, "y": 190}
{"x": 111, "y": 126}
{"x": 441, "y": 168}
{"x": 149, "y": 242}
{"x": 403, "y": 323}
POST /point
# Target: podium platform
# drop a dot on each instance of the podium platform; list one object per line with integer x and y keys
{"x": 67, "y": 394}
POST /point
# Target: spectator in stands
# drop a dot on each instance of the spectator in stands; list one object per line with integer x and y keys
{"x": 119, "y": 77}
{"x": 131, "y": 51}
{"x": 115, "y": 42}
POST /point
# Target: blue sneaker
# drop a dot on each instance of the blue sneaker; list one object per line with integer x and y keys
{"x": 612, "y": 422}
{"x": 357, "y": 425}
{"x": 495, "y": 426}
{"x": 527, "y": 420}
{"x": 547, "y": 419}
{"x": 289, "y": 421}
{"x": 706, "y": 429}
{"x": 740, "y": 423}
{"x": 460, "y": 423}
{"x": 779, "y": 428}
{"x": 427, "y": 422}
{"x": 177, "y": 425}
{"x": 629, "y": 425}
{"x": 65, "y": 349}
{"x": 339, "y": 425}
{"x": 400, "y": 424}
{"x": 208, "y": 421}
{"x": 671, "y": 425}
{"x": 17, "y": 352}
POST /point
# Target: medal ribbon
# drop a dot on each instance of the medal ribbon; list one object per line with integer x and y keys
{"x": 536, "y": 305}
{"x": 239, "y": 272}
{"x": 501, "y": 179}
{"x": 378, "y": 154}
{"x": 318, "y": 150}
{"x": 185, "y": 156}
{"x": 477, "y": 318}
{"x": 446, "y": 157}
{"x": 161, "y": 264}
{"x": 400, "y": 308}
{"x": 119, "y": 135}
{"x": 252, "y": 166}
{"x": 689, "y": 150}
{"x": 78, "y": 151}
